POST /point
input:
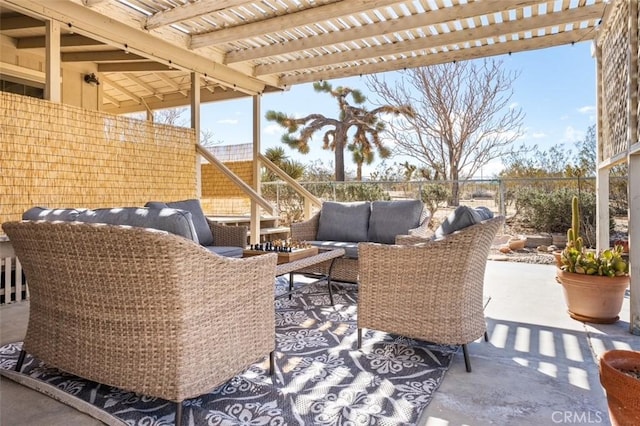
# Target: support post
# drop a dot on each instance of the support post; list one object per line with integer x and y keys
{"x": 53, "y": 79}
{"x": 195, "y": 125}
{"x": 254, "y": 226}
{"x": 634, "y": 242}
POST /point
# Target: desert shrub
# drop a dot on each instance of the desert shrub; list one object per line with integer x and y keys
{"x": 361, "y": 192}
{"x": 433, "y": 195}
{"x": 551, "y": 211}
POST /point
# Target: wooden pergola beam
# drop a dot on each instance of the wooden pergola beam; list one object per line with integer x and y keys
{"x": 442, "y": 57}
{"x": 119, "y": 88}
{"x": 470, "y": 35}
{"x": 19, "y": 23}
{"x": 144, "y": 85}
{"x": 290, "y": 20}
{"x": 135, "y": 67}
{"x": 189, "y": 11}
{"x": 434, "y": 17}
{"x": 67, "y": 40}
{"x": 100, "y": 56}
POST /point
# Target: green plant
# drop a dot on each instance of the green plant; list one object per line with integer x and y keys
{"x": 575, "y": 258}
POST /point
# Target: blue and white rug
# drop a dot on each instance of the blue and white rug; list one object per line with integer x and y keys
{"x": 321, "y": 377}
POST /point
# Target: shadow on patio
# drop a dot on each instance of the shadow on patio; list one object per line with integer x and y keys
{"x": 539, "y": 367}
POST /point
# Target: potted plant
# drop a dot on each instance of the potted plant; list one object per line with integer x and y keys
{"x": 620, "y": 378}
{"x": 594, "y": 283}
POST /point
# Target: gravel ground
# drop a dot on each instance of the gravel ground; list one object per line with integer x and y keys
{"x": 525, "y": 256}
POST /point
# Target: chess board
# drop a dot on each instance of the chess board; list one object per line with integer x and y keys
{"x": 296, "y": 254}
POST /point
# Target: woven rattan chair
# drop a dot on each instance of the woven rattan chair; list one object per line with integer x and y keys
{"x": 143, "y": 310}
{"x": 429, "y": 290}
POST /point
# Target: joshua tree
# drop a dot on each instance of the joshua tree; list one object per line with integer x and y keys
{"x": 367, "y": 125}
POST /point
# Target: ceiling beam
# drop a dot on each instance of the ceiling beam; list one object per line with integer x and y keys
{"x": 535, "y": 43}
{"x": 189, "y": 11}
{"x": 69, "y": 40}
{"x": 100, "y": 56}
{"x": 143, "y": 84}
{"x": 135, "y": 67}
{"x": 172, "y": 100}
{"x": 90, "y": 3}
{"x": 19, "y": 23}
{"x": 111, "y": 99}
{"x": 453, "y": 38}
{"x": 289, "y": 20}
{"x": 119, "y": 88}
{"x": 173, "y": 84}
{"x": 433, "y": 17}
{"x": 115, "y": 33}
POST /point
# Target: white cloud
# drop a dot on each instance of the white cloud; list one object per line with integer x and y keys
{"x": 588, "y": 109}
{"x": 227, "y": 121}
{"x": 514, "y": 105}
{"x": 564, "y": 117}
{"x": 538, "y": 135}
{"x": 273, "y": 129}
{"x": 572, "y": 135}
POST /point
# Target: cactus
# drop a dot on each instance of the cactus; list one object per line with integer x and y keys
{"x": 576, "y": 259}
{"x": 573, "y": 234}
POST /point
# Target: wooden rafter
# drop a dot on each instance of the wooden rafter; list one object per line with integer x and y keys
{"x": 144, "y": 85}
{"x": 290, "y": 20}
{"x": 390, "y": 26}
{"x": 100, "y": 56}
{"x": 451, "y": 38}
{"x": 119, "y": 88}
{"x": 69, "y": 40}
{"x": 172, "y": 83}
{"x": 134, "y": 67}
{"x": 189, "y": 11}
{"x": 442, "y": 57}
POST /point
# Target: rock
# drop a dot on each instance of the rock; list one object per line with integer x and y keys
{"x": 505, "y": 249}
{"x": 542, "y": 248}
{"x": 517, "y": 243}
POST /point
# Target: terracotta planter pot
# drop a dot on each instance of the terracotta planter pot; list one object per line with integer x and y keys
{"x": 593, "y": 298}
{"x": 623, "y": 391}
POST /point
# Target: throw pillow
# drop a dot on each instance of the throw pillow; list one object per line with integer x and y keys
{"x": 462, "y": 217}
{"x": 346, "y": 222}
{"x": 391, "y": 218}
{"x": 199, "y": 220}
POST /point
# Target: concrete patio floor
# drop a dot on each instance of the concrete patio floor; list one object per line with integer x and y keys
{"x": 538, "y": 368}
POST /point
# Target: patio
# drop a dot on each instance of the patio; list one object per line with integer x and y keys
{"x": 539, "y": 367}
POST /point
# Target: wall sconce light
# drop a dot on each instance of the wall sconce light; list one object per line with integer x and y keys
{"x": 91, "y": 79}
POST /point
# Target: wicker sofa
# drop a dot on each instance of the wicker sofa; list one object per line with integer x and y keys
{"x": 141, "y": 309}
{"x": 184, "y": 218}
{"x": 344, "y": 225}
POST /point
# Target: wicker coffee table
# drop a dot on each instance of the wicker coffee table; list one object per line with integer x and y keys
{"x": 295, "y": 265}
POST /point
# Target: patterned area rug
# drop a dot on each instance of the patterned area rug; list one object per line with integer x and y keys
{"x": 321, "y": 377}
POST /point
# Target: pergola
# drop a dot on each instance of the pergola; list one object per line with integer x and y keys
{"x": 152, "y": 54}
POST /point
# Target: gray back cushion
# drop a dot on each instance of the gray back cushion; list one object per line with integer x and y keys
{"x": 175, "y": 221}
{"x": 344, "y": 221}
{"x": 42, "y": 213}
{"x": 462, "y": 217}
{"x": 199, "y": 220}
{"x": 391, "y": 218}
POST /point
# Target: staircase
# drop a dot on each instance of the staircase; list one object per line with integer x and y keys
{"x": 269, "y": 229}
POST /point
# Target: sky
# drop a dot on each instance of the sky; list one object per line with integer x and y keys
{"x": 556, "y": 90}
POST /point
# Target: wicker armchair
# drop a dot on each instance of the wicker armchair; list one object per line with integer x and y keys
{"x": 143, "y": 310}
{"x": 430, "y": 291}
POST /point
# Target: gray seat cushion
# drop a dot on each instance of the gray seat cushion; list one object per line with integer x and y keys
{"x": 226, "y": 251}
{"x": 175, "y": 221}
{"x": 350, "y": 248}
{"x": 391, "y": 218}
{"x": 462, "y": 217}
{"x": 197, "y": 215}
{"x": 347, "y": 222}
{"x": 42, "y": 213}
